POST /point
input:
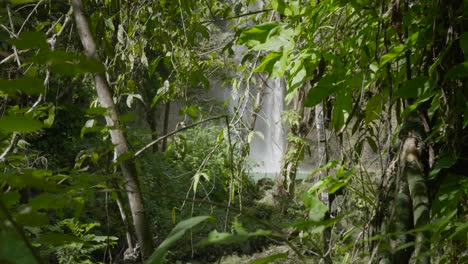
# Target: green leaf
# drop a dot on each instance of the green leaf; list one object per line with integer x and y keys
{"x": 278, "y": 39}
{"x": 177, "y": 233}
{"x": 445, "y": 161}
{"x": 461, "y": 232}
{"x": 10, "y": 198}
{"x": 30, "y": 40}
{"x": 12, "y": 248}
{"x": 69, "y": 64}
{"x": 27, "y": 85}
{"x": 341, "y": 109}
{"x": 297, "y": 78}
{"x": 47, "y": 201}
{"x": 458, "y": 71}
{"x": 32, "y": 218}
{"x": 270, "y": 258}
{"x": 373, "y": 108}
{"x": 49, "y": 121}
{"x": 316, "y": 209}
{"x": 324, "y": 88}
{"x": 256, "y": 35}
{"x": 414, "y": 88}
{"x": 241, "y": 236}
{"x": 392, "y": 54}
{"x": 109, "y": 24}
{"x": 21, "y": 124}
{"x": 464, "y": 43}
{"x": 281, "y": 7}
{"x": 269, "y": 62}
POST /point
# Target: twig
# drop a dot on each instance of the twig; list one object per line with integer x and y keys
{"x": 175, "y": 132}
{"x": 29, "y": 16}
{"x": 231, "y": 182}
{"x": 12, "y": 34}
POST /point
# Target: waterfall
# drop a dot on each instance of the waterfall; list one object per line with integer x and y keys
{"x": 266, "y": 153}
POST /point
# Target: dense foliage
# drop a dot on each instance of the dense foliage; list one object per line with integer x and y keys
{"x": 376, "y": 89}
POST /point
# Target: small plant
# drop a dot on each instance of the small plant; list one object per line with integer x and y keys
{"x": 73, "y": 243}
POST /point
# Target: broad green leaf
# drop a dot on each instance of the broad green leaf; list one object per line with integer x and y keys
{"x": 32, "y": 218}
{"x": 316, "y": 209}
{"x": 373, "y": 108}
{"x": 12, "y": 247}
{"x": 461, "y": 232}
{"x": 109, "y": 24}
{"x": 279, "y": 38}
{"x": 428, "y": 94}
{"x": 281, "y": 7}
{"x": 268, "y": 62}
{"x": 392, "y": 54}
{"x": 10, "y": 198}
{"x": 464, "y": 43}
{"x": 270, "y": 258}
{"x": 341, "y": 108}
{"x": 47, "y": 201}
{"x": 458, "y": 71}
{"x": 221, "y": 238}
{"x": 49, "y": 121}
{"x": 196, "y": 179}
{"x": 445, "y": 161}
{"x": 256, "y": 35}
{"x": 448, "y": 196}
{"x": 69, "y": 64}
{"x": 177, "y": 233}
{"x": 297, "y": 76}
{"x": 324, "y": 88}
{"x": 30, "y": 40}
{"x": 27, "y": 85}
{"x": 307, "y": 224}
{"x": 414, "y": 88}
{"x": 22, "y": 124}
{"x": 36, "y": 178}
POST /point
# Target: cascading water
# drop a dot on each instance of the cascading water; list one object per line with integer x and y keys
{"x": 266, "y": 153}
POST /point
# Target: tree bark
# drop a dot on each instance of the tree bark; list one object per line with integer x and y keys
{"x": 118, "y": 138}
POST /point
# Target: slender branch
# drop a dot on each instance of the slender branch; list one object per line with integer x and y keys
{"x": 175, "y": 132}
{"x": 238, "y": 16}
{"x": 10, "y": 147}
{"x": 12, "y": 34}
{"x": 29, "y": 16}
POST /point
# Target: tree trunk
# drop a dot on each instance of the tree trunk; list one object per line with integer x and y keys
{"x": 117, "y": 136}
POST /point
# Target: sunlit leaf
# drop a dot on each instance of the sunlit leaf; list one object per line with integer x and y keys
{"x": 256, "y": 35}
{"x": 316, "y": 209}
{"x": 177, "y": 233}
{"x": 373, "y": 108}
{"x": 392, "y": 54}
{"x": 270, "y": 258}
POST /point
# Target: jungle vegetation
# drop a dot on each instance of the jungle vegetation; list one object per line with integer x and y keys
{"x": 95, "y": 168}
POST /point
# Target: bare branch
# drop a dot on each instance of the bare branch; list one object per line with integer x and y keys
{"x": 175, "y": 132}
